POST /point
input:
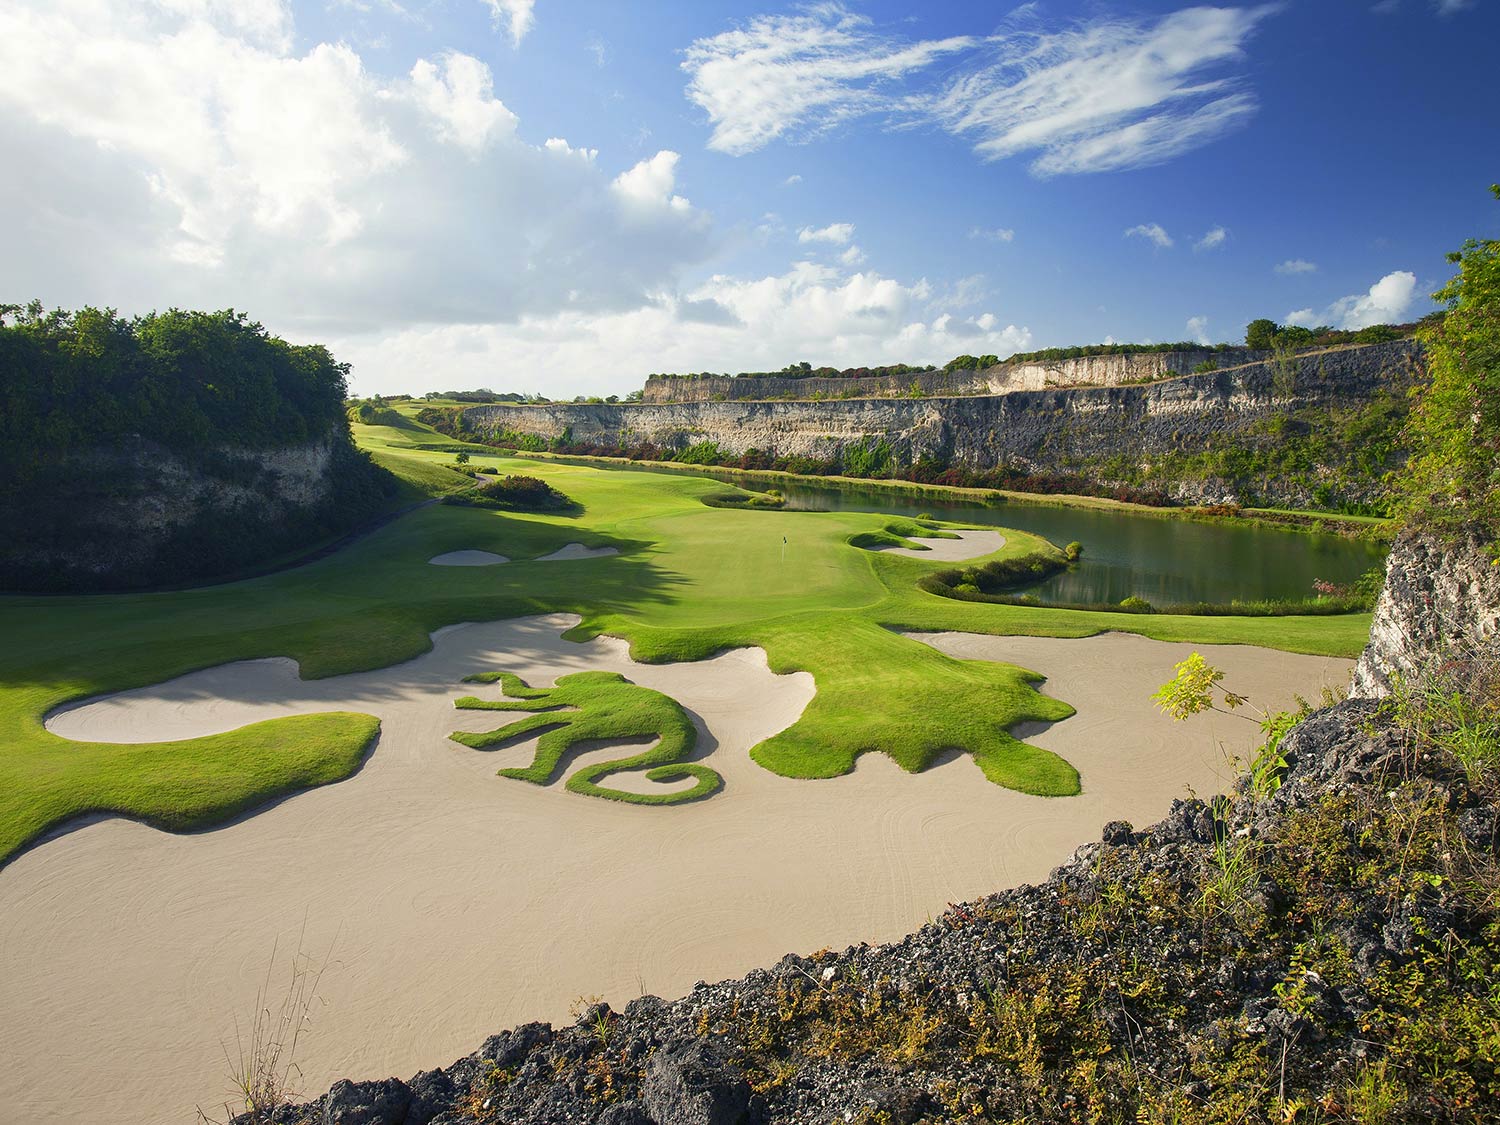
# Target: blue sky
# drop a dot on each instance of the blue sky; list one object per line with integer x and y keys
{"x": 564, "y": 196}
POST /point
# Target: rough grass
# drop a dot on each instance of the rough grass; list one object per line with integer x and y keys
{"x": 689, "y": 581}
{"x": 594, "y": 706}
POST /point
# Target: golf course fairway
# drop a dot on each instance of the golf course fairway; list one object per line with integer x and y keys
{"x": 688, "y": 580}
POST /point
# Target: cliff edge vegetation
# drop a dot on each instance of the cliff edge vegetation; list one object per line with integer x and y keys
{"x": 168, "y": 448}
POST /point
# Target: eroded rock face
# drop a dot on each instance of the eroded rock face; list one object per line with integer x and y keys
{"x": 1440, "y": 598}
{"x": 1047, "y": 429}
{"x": 1002, "y": 378}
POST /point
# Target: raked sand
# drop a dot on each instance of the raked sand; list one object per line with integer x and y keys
{"x": 968, "y": 545}
{"x": 457, "y": 903}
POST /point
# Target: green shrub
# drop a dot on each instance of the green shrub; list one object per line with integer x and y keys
{"x": 1134, "y": 604}
{"x": 518, "y": 493}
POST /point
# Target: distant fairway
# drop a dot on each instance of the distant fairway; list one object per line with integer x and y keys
{"x": 688, "y": 581}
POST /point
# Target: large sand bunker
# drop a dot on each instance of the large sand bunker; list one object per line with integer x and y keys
{"x": 968, "y": 545}
{"x": 458, "y": 903}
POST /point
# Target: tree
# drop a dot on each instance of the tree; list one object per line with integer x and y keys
{"x": 1453, "y": 479}
{"x": 1260, "y": 334}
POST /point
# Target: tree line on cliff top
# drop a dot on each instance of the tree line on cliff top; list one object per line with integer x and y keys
{"x": 186, "y": 380}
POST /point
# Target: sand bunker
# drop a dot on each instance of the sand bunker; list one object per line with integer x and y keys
{"x": 968, "y": 545}
{"x": 462, "y": 903}
{"x": 468, "y": 558}
{"x": 578, "y": 551}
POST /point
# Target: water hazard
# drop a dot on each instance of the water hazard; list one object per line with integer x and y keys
{"x": 1166, "y": 561}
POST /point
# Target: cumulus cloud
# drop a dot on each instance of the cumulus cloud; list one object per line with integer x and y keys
{"x": 838, "y": 234}
{"x": 1387, "y": 302}
{"x": 1099, "y": 95}
{"x": 1293, "y": 266}
{"x": 797, "y": 75}
{"x": 1212, "y": 240}
{"x": 224, "y": 168}
{"x": 992, "y": 234}
{"x": 1197, "y": 329}
{"x": 516, "y": 16}
{"x": 648, "y": 186}
{"x": 853, "y": 256}
{"x": 726, "y": 324}
{"x": 1151, "y": 232}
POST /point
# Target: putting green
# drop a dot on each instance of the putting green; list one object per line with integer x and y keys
{"x": 688, "y": 581}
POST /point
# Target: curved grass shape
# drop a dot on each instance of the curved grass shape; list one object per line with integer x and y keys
{"x": 592, "y": 706}
{"x": 193, "y": 783}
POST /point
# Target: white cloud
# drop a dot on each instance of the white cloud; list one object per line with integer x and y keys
{"x": 992, "y": 234}
{"x": 726, "y": 324}
{"x": 460, "y": 95}
{"x": 1387, "y": 302}
{"x": 794, "y": 178}
{"x": 798, "y": 75}
{"x": 516, "y": 16}
{"x": 1212, "y": 240}
{"x": 1293, "y": 266}
{"x": 1098, "y": 96}
{"x": 174, "y": 157}
{"x": 649, "y": 185}
{"x": 1105, "y": 94}
{"x": 1153, "y": 233}
{"x": 853, "y": 256}
{"x": 1451, "y": 7}
{"x": 1197, "y": 329}
{"x": 838, "y": 234}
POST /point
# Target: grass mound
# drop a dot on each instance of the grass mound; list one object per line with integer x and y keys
{"x": 591, "y": 706}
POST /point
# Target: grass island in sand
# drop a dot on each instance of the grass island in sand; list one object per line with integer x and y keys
{"x": 686, "y": 580}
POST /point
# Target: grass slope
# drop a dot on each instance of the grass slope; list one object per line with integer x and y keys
{"x": 688, "y": 581}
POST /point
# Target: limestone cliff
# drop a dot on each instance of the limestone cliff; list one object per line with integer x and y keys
{"x": 138, "y": 514}
{"x": 1440, "y": 599}
{"x": 1066, "y": 430}
{"x": 1002, "y": 378}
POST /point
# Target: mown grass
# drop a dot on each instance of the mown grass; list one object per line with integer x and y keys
{"x": 594, "y": 706}
{"x": 689, "y": 581}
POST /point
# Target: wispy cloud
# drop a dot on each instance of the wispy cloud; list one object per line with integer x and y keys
{"x": 516, "y": 16}
{"x": 1386, "y": 302}
{"x": 1197, "y": 328}
{"x": 1212, "y": 240}
{"x": 794, "y": 178}
{"x": 1293, "y": 266}
{"x": 853, "y": 256}
{"x": 992, "y": 234}
{"x": 1151, "y": 232}
{"x": 797, "y": 75}
{"x": 838, "y": 234}
{"x": 1104, "y": 94}
{"x": 1097, "y": 96}
{"x": 1441, "y": 7}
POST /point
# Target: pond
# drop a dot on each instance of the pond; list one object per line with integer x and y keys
{"x": 1164, "y": 560}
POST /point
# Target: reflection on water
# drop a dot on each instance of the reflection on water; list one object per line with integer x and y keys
{"x": 1166, "y": 561}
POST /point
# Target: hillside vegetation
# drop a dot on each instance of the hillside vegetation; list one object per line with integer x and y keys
{"x": 168, "y": 448}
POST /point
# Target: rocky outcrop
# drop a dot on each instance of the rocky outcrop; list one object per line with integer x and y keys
{"x": 137, "y": 514}
{"x": 1078, "y": 431}
{"x": 1441, "y": 599}
{"x": 1003, "y": 378}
